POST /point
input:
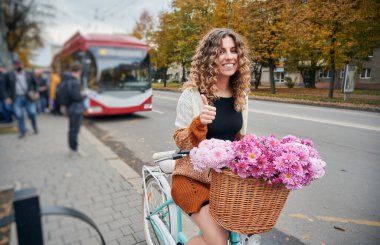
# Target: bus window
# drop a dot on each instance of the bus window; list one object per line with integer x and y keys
{"x": 121, "y": 68}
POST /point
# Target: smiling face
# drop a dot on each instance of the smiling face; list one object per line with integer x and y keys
{"x": 228, "y": 58}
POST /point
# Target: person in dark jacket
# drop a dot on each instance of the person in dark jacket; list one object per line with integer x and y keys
{"x": 76, "y": 107}
{"x": 18, "y": 83}
{"x": 6, "y": 110}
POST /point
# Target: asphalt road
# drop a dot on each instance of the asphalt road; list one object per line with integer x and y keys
{"x": 341, "y": 208}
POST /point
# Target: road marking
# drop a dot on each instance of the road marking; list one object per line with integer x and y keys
{"x": 354, "y": 221}
{"x": 301, "y": 216}
{"x": 311, "y": 119}
{"x": 336, "y": 219}
{"x": 165, "y": 97}
{"x": 159, "y": 112}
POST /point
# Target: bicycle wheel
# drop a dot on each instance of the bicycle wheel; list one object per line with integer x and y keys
{"x": 155, "y": 197}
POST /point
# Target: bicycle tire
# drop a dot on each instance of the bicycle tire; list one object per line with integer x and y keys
{"x": 156, "y": 197}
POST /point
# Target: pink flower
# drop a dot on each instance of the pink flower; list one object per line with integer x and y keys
{"x": 291, "y": 161}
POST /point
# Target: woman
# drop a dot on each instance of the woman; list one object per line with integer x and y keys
{"x": 212, "y": 105}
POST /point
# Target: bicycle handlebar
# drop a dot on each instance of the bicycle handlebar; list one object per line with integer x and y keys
{"x": 166, "y": 155}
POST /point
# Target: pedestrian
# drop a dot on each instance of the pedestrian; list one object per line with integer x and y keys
{"x": 75, "y": 107}
{"x": 6, "y": 110}
{"x": 43, "y": 91}
{"x": 21, "y": 90}
{"x": 213, "y": 104}
{"x": 55, "y": 80}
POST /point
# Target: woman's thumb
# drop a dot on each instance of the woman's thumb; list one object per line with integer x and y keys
{"x": 204, "y": 99}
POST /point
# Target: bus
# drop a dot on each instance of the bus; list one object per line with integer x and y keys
{"x": 116, "y": 71}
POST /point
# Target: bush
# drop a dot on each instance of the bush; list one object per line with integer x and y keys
{"x": 289, "y": 82}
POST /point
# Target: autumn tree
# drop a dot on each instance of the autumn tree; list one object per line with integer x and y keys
{"x": 162, "y": 43}
{"x": 337, "y": 32}
{"x": 144, "y": 27}
{"x": 24, "y": 21}
{"x": 265, "y": 24}
{"x": 192, "y": 19}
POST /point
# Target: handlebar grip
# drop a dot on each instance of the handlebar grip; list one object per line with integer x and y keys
{"x": 163, "y": 154}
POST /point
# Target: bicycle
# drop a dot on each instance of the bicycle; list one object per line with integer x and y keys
{"x": 162, "y": 217}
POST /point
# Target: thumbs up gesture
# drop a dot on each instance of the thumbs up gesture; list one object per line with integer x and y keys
{"x": 208, "y": 112}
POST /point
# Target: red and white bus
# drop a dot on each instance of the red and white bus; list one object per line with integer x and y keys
{"x": 116, "y": 71}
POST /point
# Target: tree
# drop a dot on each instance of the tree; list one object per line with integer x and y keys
{"x": 343, "y": 31}
{"x": 265, "y": 25}
{"x": 24, "y": 21}
{"x": 144, "y": 26}
{"x": 192, "y": 20}
{"x": 162, "y": 42}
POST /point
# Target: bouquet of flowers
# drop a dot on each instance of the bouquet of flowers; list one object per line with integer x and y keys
{"x": 291, "y": 161}
{"x": 213, "y": 153}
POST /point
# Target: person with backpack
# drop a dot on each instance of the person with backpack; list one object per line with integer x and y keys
{"x": 73, "y": 99}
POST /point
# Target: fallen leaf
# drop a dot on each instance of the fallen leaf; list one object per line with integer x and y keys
{"x": 68, "y": 175}
{"x": 307, "y": 237}
{"x": 339, "y": 228}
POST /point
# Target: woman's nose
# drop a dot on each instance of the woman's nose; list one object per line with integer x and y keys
{"x": 229, "y": 55}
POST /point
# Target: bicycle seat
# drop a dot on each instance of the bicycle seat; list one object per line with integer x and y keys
{"x": 167, "y": 166}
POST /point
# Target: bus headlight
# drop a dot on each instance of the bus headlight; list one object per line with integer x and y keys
{"x": 94, "y": 109}
{"x": 147, "y": 106}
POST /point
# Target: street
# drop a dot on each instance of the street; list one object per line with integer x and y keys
{"x": 341, "y": 208}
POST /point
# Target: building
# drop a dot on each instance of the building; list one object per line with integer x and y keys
{"x": 368, "y": 77}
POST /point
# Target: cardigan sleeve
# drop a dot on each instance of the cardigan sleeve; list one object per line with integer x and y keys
{"x": 189, "y": 129}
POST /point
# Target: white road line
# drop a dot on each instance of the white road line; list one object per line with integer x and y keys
{"x": 159, "y": 112}
{"x": 311, "y": 119}
{"x": 352, "y": 125}
{"x": 165, "y": 97}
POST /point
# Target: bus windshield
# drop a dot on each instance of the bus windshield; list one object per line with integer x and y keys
{"x": 121, "y": 68}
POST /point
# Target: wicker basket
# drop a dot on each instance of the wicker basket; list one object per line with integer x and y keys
{"x": 246, "y": 206}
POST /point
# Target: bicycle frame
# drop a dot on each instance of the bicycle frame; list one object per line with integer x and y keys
{"x": 176, "y": 235}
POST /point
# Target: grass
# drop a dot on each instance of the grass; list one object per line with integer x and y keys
{"x": 359, "y": 97}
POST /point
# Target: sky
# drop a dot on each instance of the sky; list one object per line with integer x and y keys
{"x": 91, "y": 16}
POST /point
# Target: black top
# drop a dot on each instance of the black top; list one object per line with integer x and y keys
{"x": 227, "y": 122}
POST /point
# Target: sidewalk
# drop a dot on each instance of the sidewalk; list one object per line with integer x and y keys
{"x": 99, "y": 184}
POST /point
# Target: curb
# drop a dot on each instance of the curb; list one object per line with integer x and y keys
{"x": 114, "y": 161}
{"x": 302, "y": 102}
{"x": 130, "y": 175}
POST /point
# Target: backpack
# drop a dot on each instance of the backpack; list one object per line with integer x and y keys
{"x": 64, "y": 92}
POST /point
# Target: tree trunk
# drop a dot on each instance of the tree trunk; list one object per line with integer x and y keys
{"x": 332, "y": 60}
{"x": 308, "y": 77}
{"x": 312, "y": 78}
{"x": 271, "y": 76}
{"x": 165, "y": 76}
{"x": 257, "y": 75}
{"x": 183, "y": 73}
{"x": 332, "y": 81}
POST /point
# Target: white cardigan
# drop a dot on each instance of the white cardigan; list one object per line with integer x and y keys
{"x": 190, "y": 106}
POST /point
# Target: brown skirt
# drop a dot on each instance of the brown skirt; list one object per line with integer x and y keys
{"x": 190, "y": 195}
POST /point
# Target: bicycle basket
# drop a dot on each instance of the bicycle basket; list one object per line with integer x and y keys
{"x": 246, "y": 206}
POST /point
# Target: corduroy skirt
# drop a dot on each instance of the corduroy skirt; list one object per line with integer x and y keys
{"x": 189, "y": 194}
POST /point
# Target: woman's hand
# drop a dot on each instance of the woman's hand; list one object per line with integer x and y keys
{"x": 208, "y": 112}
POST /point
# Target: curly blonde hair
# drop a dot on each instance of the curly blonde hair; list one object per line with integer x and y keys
{"x": 204, "y": 67}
